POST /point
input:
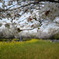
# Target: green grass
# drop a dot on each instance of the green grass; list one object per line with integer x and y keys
{"x": 34, "y": 49}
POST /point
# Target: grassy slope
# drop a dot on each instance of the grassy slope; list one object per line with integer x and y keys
{"x": 34, "y": 49}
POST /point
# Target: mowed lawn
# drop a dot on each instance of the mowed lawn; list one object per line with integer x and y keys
{"x": 33, "y": 49}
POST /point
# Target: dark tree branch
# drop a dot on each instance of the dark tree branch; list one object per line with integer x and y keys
{"x": 2, "y": 10}
{"x": 8, "y": 9}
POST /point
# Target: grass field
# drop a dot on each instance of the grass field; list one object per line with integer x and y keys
{"x": 33, "y": 49}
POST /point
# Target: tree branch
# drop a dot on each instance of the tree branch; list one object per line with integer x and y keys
{"x": 3, "y": 10}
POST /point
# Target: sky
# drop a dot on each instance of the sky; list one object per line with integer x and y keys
{"x": 6, "y": 3}
{"x": 6, "y": 0}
